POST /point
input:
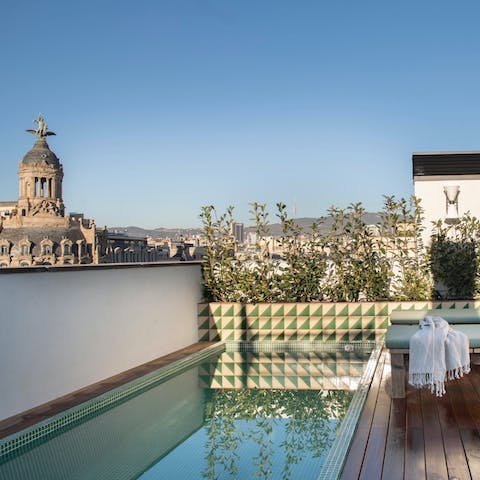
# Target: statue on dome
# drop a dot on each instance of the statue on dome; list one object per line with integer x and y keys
{"x": 42, "y": 129}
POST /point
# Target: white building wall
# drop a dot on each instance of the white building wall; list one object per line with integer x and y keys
{"x": 433, "y": 200}
{"x": 65, "y": 328}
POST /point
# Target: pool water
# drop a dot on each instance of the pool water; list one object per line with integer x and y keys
{"x": 241, "y": 415}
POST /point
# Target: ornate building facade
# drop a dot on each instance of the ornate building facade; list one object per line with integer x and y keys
{"x": 34, "y": 230}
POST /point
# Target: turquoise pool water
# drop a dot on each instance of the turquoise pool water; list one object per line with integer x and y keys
{"x": 240, "y": 415}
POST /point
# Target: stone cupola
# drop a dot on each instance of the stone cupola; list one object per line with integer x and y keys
{"x": 40, "y": 176}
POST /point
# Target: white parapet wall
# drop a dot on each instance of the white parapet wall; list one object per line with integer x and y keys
{"x": 65, "y": 328}
{"x": 431, "y": 192}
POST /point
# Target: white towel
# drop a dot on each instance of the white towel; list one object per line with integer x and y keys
{"x": 436, "y": 353}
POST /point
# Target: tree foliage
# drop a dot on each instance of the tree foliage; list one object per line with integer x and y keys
{"x": 340, "y": 258}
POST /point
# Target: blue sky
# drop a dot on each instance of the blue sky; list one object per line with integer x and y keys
{"x": 161, "y": 107}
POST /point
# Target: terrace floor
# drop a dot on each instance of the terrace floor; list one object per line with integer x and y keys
{"x": 419, "y": 437}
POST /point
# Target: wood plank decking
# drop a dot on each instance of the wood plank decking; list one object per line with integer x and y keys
{"x": 420, "y": 436}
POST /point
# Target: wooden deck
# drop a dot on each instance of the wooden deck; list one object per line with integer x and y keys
{"x": 420, "y": 436}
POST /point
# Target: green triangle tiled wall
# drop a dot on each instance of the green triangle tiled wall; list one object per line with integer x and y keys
{"x": 278, "y": 370}
{"x": 305, "y": 321}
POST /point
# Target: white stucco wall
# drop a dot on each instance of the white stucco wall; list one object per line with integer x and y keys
{"x": 64, "y": 329}
{"x": 430, "y": 191}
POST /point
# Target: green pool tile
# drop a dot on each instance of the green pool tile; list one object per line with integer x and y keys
{"x": 203, "y": 323}
{"x": 331, "y": 325}
{"x": 316, "y": 311}
{"x": 383, "y": 310}
{"x": 291, "y": 324}
{"x": 316, "y": 323}
{"x": 278, "y": 311}
{"x": 203, "y": 309}
{"x": 355, "y": 323}
{"x": 306, "y": 381}
{"x": 304, "y": 336}
{"x": 228, "y": 324}
{"x": 204, "y": 335}
{"x": 228, "y": 366}
{"x": 356, "y": 312}
{"x": 216, "y": 322}
{"x": 255, "y": 380}
{"x": 330, "y": 312}
{"x": 304, "y": 311}
{"x": 265, "y": 323}
{"x": 341, "y": 323}
{"x": 280, "y": 380}
{"x": 266, "y": 311}
{"x": 370, "y": 310}
{"x": 292, "y": 311}
{"x": 253, "y": 323}
{"x": 228, "y": 310}
{"x": 255, "y": 367}
{"x": 268, "y": 367}
{"x": 304, "y": 324}
{"x": 228, "y": 335}
{"x": 278, "y": 324}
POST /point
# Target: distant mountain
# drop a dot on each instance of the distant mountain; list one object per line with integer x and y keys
{"x": 370, "y": 218}
{"x": 324, "y": 223}
{"x": 159, "y": 232}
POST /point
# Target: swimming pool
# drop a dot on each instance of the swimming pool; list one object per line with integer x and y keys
{"x": 244, "y": 413}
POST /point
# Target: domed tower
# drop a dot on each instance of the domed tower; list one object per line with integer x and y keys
{"x": 40, "y": 176}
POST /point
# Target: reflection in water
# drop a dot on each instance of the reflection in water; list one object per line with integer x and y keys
{"x": 285, "y": 427}
{"x": 181, "y": 429}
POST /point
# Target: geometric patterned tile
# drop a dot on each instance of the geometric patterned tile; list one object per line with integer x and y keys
{"x": 305, "y": 321}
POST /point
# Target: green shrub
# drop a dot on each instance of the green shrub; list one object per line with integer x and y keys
{"x": 454, "y": 258}
{"x": 346, "y": 260}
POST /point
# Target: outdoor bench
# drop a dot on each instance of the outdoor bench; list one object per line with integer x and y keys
{"x": 404, "y": 323}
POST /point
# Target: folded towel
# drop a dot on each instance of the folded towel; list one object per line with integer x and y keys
{"x": 437, "y": 352}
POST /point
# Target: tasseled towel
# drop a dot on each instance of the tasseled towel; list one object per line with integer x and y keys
{"x": 436, "y": 353}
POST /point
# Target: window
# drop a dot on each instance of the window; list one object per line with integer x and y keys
{"x": 47, "y": 250}
{"x": 3, "y": 250}
{"x": 67, "y": 249}
{"x": 24, "y": 250}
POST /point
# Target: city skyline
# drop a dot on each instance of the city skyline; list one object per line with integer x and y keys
{"x": 161, "y": 109}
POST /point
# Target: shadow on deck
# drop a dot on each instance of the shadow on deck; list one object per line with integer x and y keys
{"x": 420, "y": 436}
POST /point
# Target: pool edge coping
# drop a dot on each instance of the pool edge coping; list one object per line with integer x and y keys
{"x": 11, "y": 444}
{"x": 335, "y": 459}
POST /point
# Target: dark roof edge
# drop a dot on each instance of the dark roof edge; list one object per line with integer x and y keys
{"x": 448, "y": 153}
{"x": 101, "y": 266}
